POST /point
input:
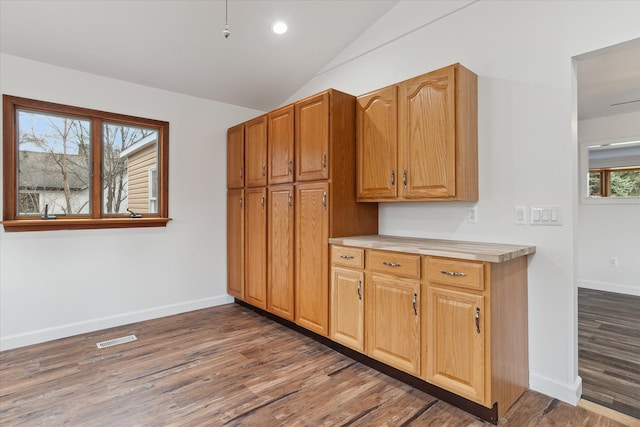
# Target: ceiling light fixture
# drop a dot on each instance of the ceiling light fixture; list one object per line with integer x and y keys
{"x": 280, "y": 27}
{"x": 226, "y": 33}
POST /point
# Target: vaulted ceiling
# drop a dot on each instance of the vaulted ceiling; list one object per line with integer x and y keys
{"x": 179, "y": 45}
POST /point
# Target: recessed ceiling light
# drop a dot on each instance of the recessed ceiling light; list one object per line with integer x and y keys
{"x": 279, "y": 27}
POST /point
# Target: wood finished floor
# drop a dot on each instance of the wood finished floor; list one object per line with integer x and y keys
{"x": 609, "y": 349}
{"x": 226, "y": 366}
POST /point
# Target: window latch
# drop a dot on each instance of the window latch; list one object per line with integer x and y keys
{"x": 133, "y": 214}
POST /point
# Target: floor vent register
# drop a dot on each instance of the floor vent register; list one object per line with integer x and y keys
{"x": 116, "y": 341}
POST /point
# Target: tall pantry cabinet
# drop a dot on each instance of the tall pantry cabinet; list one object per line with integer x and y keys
{"x": 310, "y": 196}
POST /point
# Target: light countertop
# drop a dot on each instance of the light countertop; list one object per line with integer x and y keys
{"x": 475, "y": 251}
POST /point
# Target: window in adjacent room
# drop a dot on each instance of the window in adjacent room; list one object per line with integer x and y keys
{"x": 71, "y": 167}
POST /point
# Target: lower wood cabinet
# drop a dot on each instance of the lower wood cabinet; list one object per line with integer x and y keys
{"x": 235, "y": 243}
{"x": 255, "y": 233}
{"x": 347, "y": 312}
{"x": 281, "y": 251}
{"x": 312, "y": 257}
{"x": 455, "y": 342}
{"x": 457, "y": 324}
{"x": 393, "y": 321}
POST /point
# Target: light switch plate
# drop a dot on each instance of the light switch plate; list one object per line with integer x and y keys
{"x": 520, "y": 215}
{"x": 546, "y": 215}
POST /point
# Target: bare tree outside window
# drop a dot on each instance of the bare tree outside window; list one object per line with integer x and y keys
{"x": 54, "y": 162}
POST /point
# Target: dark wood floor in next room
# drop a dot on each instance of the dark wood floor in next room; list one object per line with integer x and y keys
{"x": 609, "y": 349}
{"x": 227, "y": 366}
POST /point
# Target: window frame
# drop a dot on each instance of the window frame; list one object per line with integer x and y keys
{"x": 12, "y": 221}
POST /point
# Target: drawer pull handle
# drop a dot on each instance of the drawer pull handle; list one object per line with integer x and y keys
{"x": 415, "y": 304}
{"x": 453, "y": 273}
{"x": 478, "y": 319}
{"x": 346, "y": 256}
{"x": 360, "y": 290}
{"x": 391, "y": 264}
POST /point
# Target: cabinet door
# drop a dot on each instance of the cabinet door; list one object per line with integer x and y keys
{"x": 312, "y": 253}
{"x": 256, "y": 152}
{"x": 235, "y": 157}
{"x": 255, "y": 291}
{"x": 280, "y": 145}
{"x": 235, "y": 243}
{"x": 427, "y": 135}
{"x": 312, "y": 138}
{"x": 455, "y": 342}
{"x": 377, "y": 144}
{"x": 347, "y": 307}
{"x": 280, "y": 283}
{"x": 393, "y": 322}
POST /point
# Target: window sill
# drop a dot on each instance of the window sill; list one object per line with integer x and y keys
{"x": 82, "y": 224}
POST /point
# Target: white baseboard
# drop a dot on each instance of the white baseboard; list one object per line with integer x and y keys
{"x": 63, "y": 331}
{"x": 609, "y": 287}
{"x": 569, "y": 393}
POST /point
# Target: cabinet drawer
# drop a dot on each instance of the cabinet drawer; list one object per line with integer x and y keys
{"x": 397, "y": 264}
{"x": 466, "y": 274}
{"x": 349, "y": 257}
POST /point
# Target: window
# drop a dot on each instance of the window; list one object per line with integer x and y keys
{"x": 621, "y": 182}
{"x": 68, "y": 168}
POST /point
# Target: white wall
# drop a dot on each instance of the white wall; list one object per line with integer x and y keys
{"x": 521, "y": 51}
{"x": 609, "y": 230}
{"x": 60, "y": 283}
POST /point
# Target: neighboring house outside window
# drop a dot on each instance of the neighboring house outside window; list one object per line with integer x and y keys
{"x": 141, "y": 159}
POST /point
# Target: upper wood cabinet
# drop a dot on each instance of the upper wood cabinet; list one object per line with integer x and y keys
{"x": 280, "y": 141}
{"x": 255, "y": 140}
{"x": 417, "y": 140}
{"x": 324, "y": 128}
{"x": 235, "y": 157}
{"x": 312, "y": 137}
{"x": 377, "y": 147}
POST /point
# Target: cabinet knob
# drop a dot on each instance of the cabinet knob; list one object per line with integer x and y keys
{"x": 324, "y": 199}
{"x": 324, "y": 160}
{"x": 478, "y": 320}
{"x": 290, "y": 167}
{"x": 391, "y": 264}
{"x": 360, "y": 290}
{"x": 404, "y": 179}
{"x": 346, "y": 256}
{"x": 393, "y": 179}
{"x": 415, "y": 304}
{"x": 264, "y": 170}
{"x": 241, "y": 172}
{"x": 290, "y": 200}
{"x": 262, "y": 202}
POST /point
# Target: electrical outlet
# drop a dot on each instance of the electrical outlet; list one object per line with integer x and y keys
{"x": 473, "y": 215}
{"x": 613, "y": 261}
